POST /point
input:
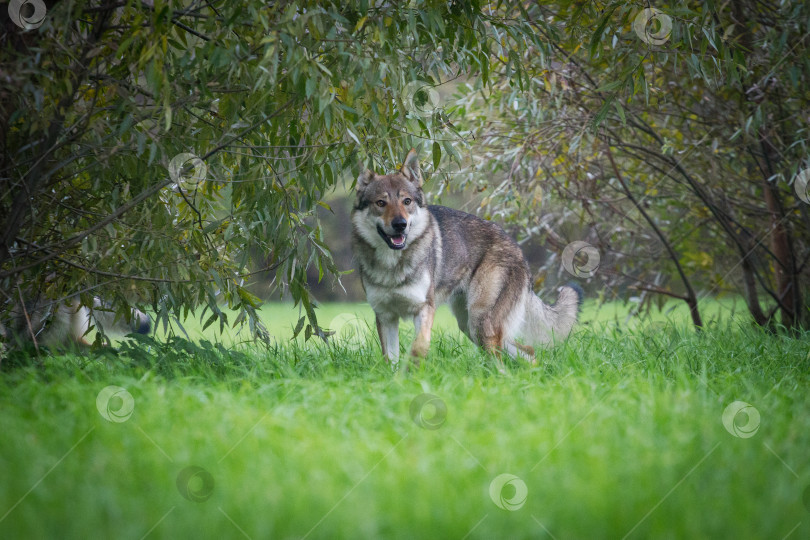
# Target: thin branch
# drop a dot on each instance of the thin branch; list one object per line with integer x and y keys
{"x": 27, "y": 319}
{"x": 138, "y": 199}
{"x": 691, "y": 299}
{"x": 658, "y": 290}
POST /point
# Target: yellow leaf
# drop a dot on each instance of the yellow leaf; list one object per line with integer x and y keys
{"x": 705, "y": 260}
{"x": 360, "y": 23}
{"x": 537, "y": 196}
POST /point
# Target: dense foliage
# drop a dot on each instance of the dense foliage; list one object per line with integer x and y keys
{"x": 673, "y": 139}
{"x": 153, "y": 151}
{"x": 107, "y": 107}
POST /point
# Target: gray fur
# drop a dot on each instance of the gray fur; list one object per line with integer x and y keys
{"x": 447, "y": 256}
{"x": 61, "y": 324}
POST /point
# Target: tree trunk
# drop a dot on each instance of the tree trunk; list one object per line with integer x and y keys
{"x": 751, "y": 295}
{"x": 787, "y": 286}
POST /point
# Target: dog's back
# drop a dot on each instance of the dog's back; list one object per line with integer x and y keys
{"x": 485, "y": 278}
{"x": 467, "y": 241}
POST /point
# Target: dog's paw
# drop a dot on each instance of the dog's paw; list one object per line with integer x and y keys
{"x": 419, "y": 350}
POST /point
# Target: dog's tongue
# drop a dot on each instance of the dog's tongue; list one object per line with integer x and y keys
{"x": 398, "y": 240}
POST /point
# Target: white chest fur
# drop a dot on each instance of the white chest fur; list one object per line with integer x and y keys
{"x": 401, "y": 300}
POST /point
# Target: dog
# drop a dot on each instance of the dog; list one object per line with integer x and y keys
{"x": 60, "y": 325}
{"x": 412, "y": 257}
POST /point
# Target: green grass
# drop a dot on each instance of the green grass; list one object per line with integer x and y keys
{"x": 616, "y": 432}
{"x": 281, "y": 319}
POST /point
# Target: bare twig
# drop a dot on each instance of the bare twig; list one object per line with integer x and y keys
{"x": 691, "y": 298}
{"x": 28, "y": 319}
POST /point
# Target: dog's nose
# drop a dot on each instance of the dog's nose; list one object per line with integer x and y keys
{"x": 399, "y": 224}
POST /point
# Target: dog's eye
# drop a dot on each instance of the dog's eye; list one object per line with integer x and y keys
{"x": 380, "y": 203}
{"x": 406, "y": 202}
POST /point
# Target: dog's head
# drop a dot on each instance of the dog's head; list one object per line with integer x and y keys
{"x": 392, "y": 201}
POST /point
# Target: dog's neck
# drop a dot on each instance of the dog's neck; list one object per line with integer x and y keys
{"x": 388, "y": 258}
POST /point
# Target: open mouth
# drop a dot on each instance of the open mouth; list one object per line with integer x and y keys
{"x": 396, "y": 241}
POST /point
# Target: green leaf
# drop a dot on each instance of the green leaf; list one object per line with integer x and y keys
{"x": 620, "y": 111}
{"x": 596, "y": 37}
{"x": 251, "y": 299}
{"x": 299, "y": 326}
{"x": 603, "y": 112}
{"x": 210, "y": 321}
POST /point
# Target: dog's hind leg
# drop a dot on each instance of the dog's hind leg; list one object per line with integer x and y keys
{"x": 485, "y": 329}
{"x": 458, "y": 305}
{"x": 495, "y": 300}
{"x": 515, "y": 349}
{"x": 490, "y": 334}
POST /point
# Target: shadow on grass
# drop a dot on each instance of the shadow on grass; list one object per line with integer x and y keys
{"x": 660, "y": 350}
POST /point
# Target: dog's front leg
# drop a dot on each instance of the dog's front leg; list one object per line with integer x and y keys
{"x": 422, "y": 324}
{"x": 388, "y": 330}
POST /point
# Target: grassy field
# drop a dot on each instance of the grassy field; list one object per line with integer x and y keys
{"x": 348, "y": 318}
{"x": 622, "y": 431}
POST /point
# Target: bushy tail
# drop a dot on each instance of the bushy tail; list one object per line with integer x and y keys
{"x": 544, "y": 323}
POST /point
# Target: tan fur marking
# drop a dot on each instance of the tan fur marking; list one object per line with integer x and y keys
{"x": 421, "y": 343}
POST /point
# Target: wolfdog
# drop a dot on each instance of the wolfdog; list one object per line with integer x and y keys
{"x": 412, "y": 257}
{"x": 66, "y": 324}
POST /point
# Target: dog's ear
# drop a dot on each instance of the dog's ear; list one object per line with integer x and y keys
{"x": 411, "y": 170}
{"x": 366, "y": 177}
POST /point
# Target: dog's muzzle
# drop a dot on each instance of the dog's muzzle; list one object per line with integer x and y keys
{"x": 396, "y": 240}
